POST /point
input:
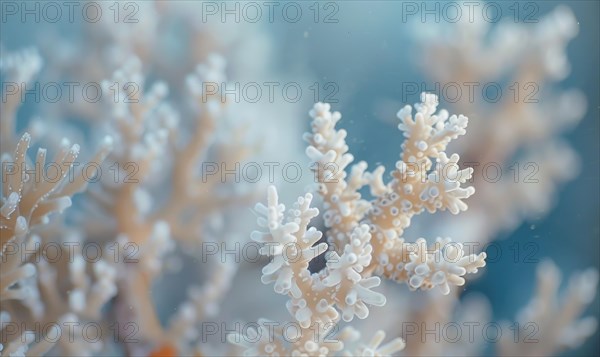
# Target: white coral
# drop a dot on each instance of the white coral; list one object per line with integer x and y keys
{"x": 360, "y": 231}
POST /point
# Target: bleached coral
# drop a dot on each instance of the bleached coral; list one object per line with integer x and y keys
{"x": 416, "y": 186}
{"x": 365, "y": 236}
{"x": 157, "y": 221}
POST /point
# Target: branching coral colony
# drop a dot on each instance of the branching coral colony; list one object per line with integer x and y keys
{"x": 150, "y": 211}
{"x": 365, "y": 237}
{"x": 45, "y": 301}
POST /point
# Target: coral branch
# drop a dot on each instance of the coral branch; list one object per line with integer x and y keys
{"x": 365, "y": 235}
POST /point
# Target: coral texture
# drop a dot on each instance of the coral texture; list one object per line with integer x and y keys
{"x": 366, "y": 237}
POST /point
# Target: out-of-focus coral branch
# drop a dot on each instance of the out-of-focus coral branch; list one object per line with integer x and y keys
{"x": 523, "y": 125}
{"x": 548, "y": 324}
{"x": 31, "y": 192}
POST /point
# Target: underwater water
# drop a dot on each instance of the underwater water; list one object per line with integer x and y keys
{"x": 179, "y": 124}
